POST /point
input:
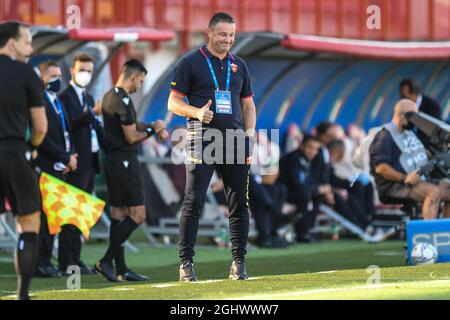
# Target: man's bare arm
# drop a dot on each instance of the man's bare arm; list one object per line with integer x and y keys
{"x": 39, "y": 125}
{"x": 249, "y": 115}
{"x": 177, "y": 105}
{"x": 133, "y": 135}
{"x": 389, "y": 173}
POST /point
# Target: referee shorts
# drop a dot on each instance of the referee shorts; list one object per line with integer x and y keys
{"x": 18, "y": 184}
{"x": 124, "y": 179}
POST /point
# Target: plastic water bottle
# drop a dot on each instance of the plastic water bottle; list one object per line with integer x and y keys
{"x": 335, "y": 232}
{"x": 224, "y": 238}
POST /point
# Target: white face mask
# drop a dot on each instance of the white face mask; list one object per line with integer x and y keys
{"x": 83, "y": 78}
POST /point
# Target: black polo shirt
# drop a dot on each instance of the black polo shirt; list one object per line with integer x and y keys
{"x": 20, "y": 89}
{"x": 383, "y": 149}
{"x": 193, "y": 80}
{"x": 118, "y": 110}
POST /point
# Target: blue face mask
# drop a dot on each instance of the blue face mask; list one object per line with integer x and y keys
{"x": 54, "y": 85}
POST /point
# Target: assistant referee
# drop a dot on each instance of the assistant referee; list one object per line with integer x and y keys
{"x": 122, "y": 168}
{"x": 21, "y": 100}
{"x": 218, "y": 87}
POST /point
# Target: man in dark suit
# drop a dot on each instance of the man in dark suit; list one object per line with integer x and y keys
{"x": 56, "y": 157}
{"x": 305, "y": 193}
{"x": 410, "y": 89}
{"x": 322, "y": 174}
{"x": 87, "y": 138}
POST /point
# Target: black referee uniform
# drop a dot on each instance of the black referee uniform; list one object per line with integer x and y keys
{"x": 20, "y": 89}
{"x": 122, "y": 167}
{"x": 194, "y": 79}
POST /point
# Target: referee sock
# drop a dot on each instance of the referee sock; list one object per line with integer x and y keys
{"x": 119, "y": 259}
{"x": 25, "y": 261}
{"x": 121, "y": 265}
{"x": 123, "y": 232}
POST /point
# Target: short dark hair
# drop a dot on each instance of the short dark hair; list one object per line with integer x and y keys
{"x": 47, "y": 64}
{"x": 336, "y": 144}
{"x": 307, "y": 138}
{"x": 10, "y": 30}
{"x": 412, "y": 85}
{"x": 83, "y": 57}
{"x": 132, "y": 66}
{"x": 220, "y": 17}
{"x": 323, "y": 127}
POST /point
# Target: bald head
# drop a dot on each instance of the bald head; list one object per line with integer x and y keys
{"x": 401, "y": 108}
{"x": 405, "y": 106}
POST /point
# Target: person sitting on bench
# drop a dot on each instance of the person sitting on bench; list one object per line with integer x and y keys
{"x": 396, "y": 155}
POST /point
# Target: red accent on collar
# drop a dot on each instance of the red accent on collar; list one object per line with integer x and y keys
{"x": 204, "y": 54}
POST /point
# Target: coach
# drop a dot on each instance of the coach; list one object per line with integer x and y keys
{"x": 218, "y": 87}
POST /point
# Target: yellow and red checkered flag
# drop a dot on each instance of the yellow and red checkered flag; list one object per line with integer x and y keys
{"x": 65, "y": 204}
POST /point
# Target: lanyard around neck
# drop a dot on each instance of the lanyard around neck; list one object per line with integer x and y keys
{"x": 59, "y": 110}
{"x": 213, "y": 74}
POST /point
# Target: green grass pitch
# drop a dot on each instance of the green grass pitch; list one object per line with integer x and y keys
{"x": 327, "y": 270}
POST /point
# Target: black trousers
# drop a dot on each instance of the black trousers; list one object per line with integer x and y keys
{"x": 69, "y": 250}
{"x": 266, "y": 203}
{"x": 45, "y": 242}
{"x": 308, "y": 206}
{"x": 235, "y": 179}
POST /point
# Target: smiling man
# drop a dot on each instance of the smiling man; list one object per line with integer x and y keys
{"x": 220, "y": 99}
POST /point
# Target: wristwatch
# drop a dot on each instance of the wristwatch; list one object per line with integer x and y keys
{"x": 150, "y": 132}
{"x": 403, "y": 178}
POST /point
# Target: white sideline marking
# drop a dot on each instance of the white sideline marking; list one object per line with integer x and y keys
{"x": 318, "y": 291}
{"x": 164, "y": 285}
{"x": 124, "y": 289}
{"x": 388, "y": 253}
{"x": 207, "y": 281}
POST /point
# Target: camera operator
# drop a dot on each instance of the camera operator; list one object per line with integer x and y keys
{"x": 396, "y": 155}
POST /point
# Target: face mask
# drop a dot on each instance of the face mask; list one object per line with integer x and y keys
{"x": 83, "y": 78}
{"x": 54, "y": 85}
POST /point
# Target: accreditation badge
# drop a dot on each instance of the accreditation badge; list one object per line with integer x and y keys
{"x": 223, "y": 102}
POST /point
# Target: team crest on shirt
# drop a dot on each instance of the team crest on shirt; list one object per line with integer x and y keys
{"x": 126, "y": 100}
{"x": 234, "y": 67}
{"x": 126, "y": 164}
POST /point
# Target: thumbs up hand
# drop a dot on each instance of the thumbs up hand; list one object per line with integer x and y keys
{"x": 204, "y": 114}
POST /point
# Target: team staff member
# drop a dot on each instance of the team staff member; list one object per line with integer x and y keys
{"x": 57, "y": 158}
{"x": 21, "y": 100}
{"x": 87, "y": 138}
{"x": 122, "y": 168}
{"x": 207, "y": 76}
{"x": 303, "y": 191}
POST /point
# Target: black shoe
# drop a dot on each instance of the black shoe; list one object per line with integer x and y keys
{"x": 309, "y": 238}
{"x": 84, "y": 269}
{"x": 280, "y": 242}
{"x": 47, "y": 271}
{"x": 265, "y": 244}
{"x": 63, "y": 271}
{"x": 106, "y": 270}
{"x": 42, "y": 272}
{"x": 187, "y": 273}
{"x": 24, "y": 297}
{"x": 132, "y": 276}
{"x": 237, "y": 271}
